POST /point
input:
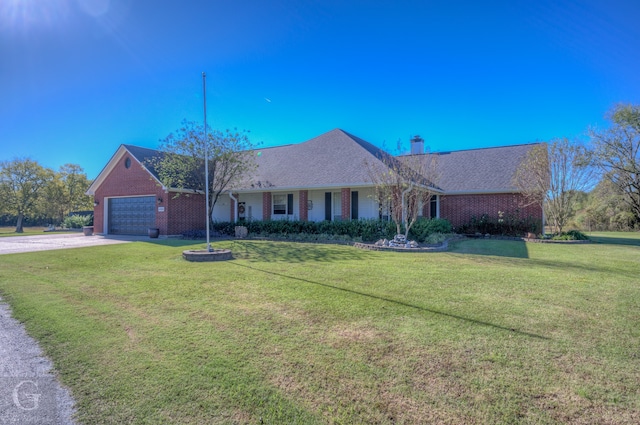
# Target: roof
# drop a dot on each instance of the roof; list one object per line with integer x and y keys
{"x": 479, "y": 170}
{"x": 335, "y": 158}
{"x": 340, "y": 159}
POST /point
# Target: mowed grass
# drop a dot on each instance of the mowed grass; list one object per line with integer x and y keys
{"x": 7, "y": 231}
{"x": 492, "y": 332}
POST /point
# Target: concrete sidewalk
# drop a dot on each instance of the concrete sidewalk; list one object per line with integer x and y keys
{"x": 50, "y": 241}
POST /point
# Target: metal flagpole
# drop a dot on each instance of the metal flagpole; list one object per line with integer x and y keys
{"x": 206, "y": 158}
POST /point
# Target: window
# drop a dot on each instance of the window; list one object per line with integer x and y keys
{"x": 283, "y": 204}
{"x": 433, "y": 210}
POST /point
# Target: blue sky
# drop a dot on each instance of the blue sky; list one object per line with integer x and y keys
{"x": 80, "y": 77}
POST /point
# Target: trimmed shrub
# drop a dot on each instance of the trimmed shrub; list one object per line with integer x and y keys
{"x": 504, "y": 224}
{"x": 77, "y": 221}
{"x": 571, "y": 235}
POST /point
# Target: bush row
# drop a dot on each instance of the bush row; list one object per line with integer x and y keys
{"x": 504, "y": 224}
{"x": 356, "y": 230}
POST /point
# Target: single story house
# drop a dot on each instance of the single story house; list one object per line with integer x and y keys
{"x": 325, "y": 178}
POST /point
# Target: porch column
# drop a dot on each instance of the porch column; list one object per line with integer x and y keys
{"x": 303, "y": 197}
{"x": 232, "y": 213}
{"x": 266, "y": 205}
{"x": 345, "y": 197}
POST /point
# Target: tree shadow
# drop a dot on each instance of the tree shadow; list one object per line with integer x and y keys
{"x": 295, "y": 252}
{"x": 493, "y": 247}
{"x": 399, "y": 302}
{"x": 633, "y": 240}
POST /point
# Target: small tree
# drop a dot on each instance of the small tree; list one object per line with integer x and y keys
{"x": 65, "y": 193}
{"x": 404, "y": 185}
{"x": 617, "y": 153}
{"x": 182, "y": 163}
{"x": 21, "y": 184}
{"x": 551, "y": 174}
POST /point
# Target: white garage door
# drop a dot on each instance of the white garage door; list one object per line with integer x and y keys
{"x": 132, "y": 216}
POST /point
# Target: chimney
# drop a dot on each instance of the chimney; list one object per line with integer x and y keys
{"x": 417, "y": 145}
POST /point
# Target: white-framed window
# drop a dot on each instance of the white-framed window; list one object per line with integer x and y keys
{"x": 282, "y": 203}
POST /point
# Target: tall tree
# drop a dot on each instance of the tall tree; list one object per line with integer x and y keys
{"x": 21, "y": 184}
{"x": 65, "y": 193}
{"x": 403, "y": 185}
{"x": 617, "y": 153}
{"x": 551, "y": 174}
{"x": 182, "y": 163}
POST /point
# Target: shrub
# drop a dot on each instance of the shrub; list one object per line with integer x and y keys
{"x": 77, "y": 221}
{"x": 355, "y": 230}
{"x": 571, "y": 235}
{"x": 504, "y": 223}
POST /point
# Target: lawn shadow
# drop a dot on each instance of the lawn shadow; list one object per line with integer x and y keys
{"x": 401, "y": 303}
{"x": 493, "y": 247}
{"x": 612, "y": 240}
{"x": 295, "y": 252}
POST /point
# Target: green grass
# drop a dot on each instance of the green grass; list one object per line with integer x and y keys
{"x": 8, "y": 231}
{"x": 492, "y": 332}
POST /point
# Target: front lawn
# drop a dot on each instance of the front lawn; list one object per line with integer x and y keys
{"x": 490, "y": 332}
{"x": 7, "y": 231}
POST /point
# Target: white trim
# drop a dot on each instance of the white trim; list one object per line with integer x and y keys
{"x": 319, "y": 187}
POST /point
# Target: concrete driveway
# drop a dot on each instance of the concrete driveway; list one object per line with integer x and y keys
{"x": 49, "y": 241}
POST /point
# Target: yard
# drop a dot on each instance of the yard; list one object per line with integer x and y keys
{"x": 489, "y": 332}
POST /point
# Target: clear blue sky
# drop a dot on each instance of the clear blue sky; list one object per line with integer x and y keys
{"x": 80, "y": 77}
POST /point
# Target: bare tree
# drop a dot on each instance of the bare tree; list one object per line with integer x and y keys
{"x": 181, "y": 164}
{"x": 403, "y": 185}
{"x": 551, "y": 174}
{"x": 617, "y": 153}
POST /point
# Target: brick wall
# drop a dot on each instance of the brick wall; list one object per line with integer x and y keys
{"x": 459, "y": 209}
{"x": 132, "y": 181}
{"x": 303, "y": 197}
{"x": 345, "y": 198}
{"x": 266, "y": 206}
{"x": 186, "y": 212}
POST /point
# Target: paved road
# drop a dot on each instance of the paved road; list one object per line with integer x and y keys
{"x": 49, "y": 241}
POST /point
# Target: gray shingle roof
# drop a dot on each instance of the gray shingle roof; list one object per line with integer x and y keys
{"x": 337, "y": 158}
{"x": 480, "y": 170}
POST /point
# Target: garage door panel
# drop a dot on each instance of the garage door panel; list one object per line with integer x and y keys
{"x": 132, "y": 216}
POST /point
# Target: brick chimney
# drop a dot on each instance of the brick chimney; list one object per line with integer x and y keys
{"x": 417, "y": 145}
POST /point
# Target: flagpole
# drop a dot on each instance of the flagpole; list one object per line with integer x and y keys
{"x": 206, "y": 158}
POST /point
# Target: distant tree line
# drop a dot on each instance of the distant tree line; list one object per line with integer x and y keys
{"x": 36, "y": 195}
{"x": 592, "y": 185}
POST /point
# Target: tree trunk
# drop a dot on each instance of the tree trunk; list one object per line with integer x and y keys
{"x": 19, "y": 224}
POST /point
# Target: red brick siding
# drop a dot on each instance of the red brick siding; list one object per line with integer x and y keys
{"x": 266, "y": 205}
{"x": 186, "y": 212}
{"x": 459, "y": 209}
{"x": 303, "y": 196}
{"x": 132, "y": 181}
{"x": 345, "y": 197}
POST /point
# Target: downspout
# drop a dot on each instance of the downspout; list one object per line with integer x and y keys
{"x": 235, "y": 207}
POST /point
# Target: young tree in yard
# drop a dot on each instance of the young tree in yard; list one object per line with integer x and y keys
{"x": 21, "y": 184}
{"x": 551, "y": 174}
{"x": 182, "y": 163}
{"x": 404, "y": 184}
{"x": 617, "y": 153}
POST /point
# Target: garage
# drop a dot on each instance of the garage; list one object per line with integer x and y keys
{"x": 131, "y": 215}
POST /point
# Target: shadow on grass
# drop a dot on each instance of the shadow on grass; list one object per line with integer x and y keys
{"x": 633, "y": 240}
{"x": 295, "y": 252}
{"x": 400, "y": 303}
{"x": 500, "y": 248}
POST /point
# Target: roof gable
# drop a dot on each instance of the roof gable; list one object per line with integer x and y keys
{"x": 140, "y": 155}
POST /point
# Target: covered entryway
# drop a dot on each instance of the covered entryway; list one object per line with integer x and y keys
{"x": 131, "y": 215}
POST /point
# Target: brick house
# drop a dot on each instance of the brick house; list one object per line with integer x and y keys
{"x": 325, "y": 178}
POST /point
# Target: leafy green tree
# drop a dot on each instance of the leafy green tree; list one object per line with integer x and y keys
{"x": 65, "y": 193}
{"x": 22, "y": 182}
{"x": 181, "y": 166}
{"x": 551, "y": 174}
{"x": 617, "y": 153}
